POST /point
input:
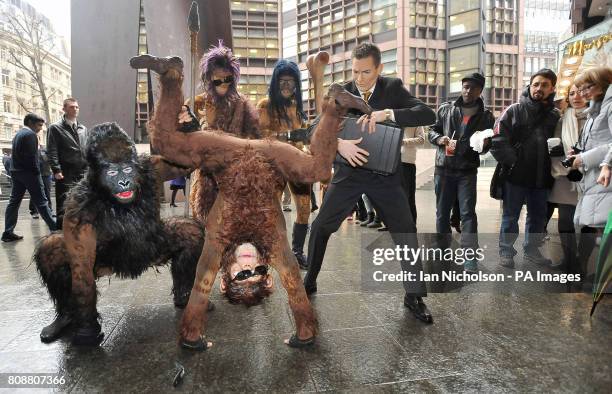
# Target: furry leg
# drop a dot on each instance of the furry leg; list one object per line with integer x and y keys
{"x": 186, "y": 237}
{"x": 53, "y": 265}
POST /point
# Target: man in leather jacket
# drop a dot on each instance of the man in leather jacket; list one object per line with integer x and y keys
{"x": 457, "y": 167}
{"x": 65, "y": 143}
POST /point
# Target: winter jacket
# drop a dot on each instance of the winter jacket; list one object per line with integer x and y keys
{"x": 520, "y": 141}
{"x": 65, "y": 148}
{"x": 595, "y": 201}
{"x": 448, "y": 122}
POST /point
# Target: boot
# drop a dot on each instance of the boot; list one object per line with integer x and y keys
{"x": 88, "y": 334}
{"x": 55, "y": 330}
{"x": 297, "y": 243}
{"x": 368, "y": 220}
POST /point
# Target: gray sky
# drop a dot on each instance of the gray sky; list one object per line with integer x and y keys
{"x": 58, "y": 11}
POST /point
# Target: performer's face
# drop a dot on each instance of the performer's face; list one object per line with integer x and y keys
{"x": 365, "y": 73}
{"x": 247, "y": 268}
{"x": 120, "y": 180}
{"x": 221, "y": 80}
{"x": 287, "y": 86}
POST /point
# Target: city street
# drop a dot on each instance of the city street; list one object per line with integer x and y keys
{"x": 479, "y": 342}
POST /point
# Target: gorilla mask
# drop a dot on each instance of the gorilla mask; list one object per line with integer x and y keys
{"x": 112, "y": 158}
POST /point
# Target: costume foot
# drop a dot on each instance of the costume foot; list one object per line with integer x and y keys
{"x": 199, "y": 344}
{"x": 418, "y": 308}
{"x": 90, "y": 335}
{"x": 348, "y": 100}
{"x": 298, "y": 343}
{"x": 54, "y": 330}
{"x": 160, "y": 65}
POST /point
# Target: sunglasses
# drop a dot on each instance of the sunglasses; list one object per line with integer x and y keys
{"x": 219, "y": 82}
{"x": 246, "y": 274}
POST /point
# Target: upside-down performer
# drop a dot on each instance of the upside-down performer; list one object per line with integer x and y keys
{"x": 112, "y": 225}
{"x": 219, "y": 107}
{"x": 245, "y": 230}
{"x": 279, "y": 113}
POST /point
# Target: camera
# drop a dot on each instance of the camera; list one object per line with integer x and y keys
{"x": 567, "y": 163}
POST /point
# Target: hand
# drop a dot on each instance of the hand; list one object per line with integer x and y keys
{"x": 577, "y": 161}
{"x": 486, "y": 144}
{"x": 444, "y": 140}
{"x": 604, "y": 176}
{"x": 58, "y": 176}
{"x": 185, "y": 116}
{"x": 352, "y": 153}
{"x": 371, "y": 120}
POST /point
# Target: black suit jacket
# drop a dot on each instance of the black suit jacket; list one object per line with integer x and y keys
{"x": 66, "y": 147}
{"x": 409, "y": 111}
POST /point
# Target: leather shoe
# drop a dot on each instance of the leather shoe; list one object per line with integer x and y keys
{"x": 54, "y": 330}
{"x": 310, "y": 289}
{"x": 10, "y": 237}
{"x": 374, "y": 225}
{"x": 418, "y": 308}
{"x": 88, "y": 335}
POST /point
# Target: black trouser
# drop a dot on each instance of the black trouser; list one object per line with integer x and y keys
{"x": 47, "y": 187}
{"x": 23, "y": 181}
{"x": 62, "y": 188}
{"x": 567, "y": 234}
{"x": 388, "y": 198}
{"x": 409, "y": 186}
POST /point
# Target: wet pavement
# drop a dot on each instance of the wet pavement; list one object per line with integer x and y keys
{"x": 479, "y": 342}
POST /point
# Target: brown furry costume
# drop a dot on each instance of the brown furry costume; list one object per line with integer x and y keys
{"x": 104, "y": 235}
{"x": 232, "y": 115}
{"x": 250, "y": 173}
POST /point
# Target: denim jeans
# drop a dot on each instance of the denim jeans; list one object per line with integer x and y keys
{"x": 23, "y": 181}
{"x": 450, "y": 188}
{"x": 514, "y": 198}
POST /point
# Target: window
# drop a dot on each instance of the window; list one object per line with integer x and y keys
{"x": 463, "y": 60}
{"x": 8, "y": 131}
{"x": 464, "y": 23}
{"x": 19, "y": 82}
{"x": 458, "y": 6}
{"x": 5, "y": 77}
{"x": 7, "y": 104}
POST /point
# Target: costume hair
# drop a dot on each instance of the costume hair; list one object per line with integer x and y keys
{"x": 107, "y": 142}
{"x": 219, "y": 57}
{"x": 277, "y": 104}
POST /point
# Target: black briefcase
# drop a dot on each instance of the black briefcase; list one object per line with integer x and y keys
{"x": 384, "y": 145}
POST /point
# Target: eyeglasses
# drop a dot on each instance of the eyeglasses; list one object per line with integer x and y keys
{"x": 287, "y": 82}
{"x": 246, "y": 274}
{"x": 219, "y": 82}
{"x": 584, "y": 88}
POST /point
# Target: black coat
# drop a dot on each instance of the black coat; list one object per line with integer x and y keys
{"x": 520, "y": 141}
{"x": 389, "y": 93}
{"x": 65, "y": 148}
{"x": 450, "y": 117}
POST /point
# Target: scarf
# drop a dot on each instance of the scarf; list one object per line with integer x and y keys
{"x": 570, "y": 129}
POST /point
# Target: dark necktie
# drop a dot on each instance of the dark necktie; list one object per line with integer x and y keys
{"x": 366, "y": 96}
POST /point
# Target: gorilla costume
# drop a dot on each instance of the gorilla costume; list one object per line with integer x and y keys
{"x": 246, "y": 214}
{"x": 112, "y": 225}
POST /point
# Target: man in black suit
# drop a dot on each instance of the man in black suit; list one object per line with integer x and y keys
{"x": 391, "y": 102}
{"x": 65, "y": 146}
{"x": 25, "y": 174}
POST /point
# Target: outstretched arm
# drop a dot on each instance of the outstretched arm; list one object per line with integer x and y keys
{"x": 167, "y": 171}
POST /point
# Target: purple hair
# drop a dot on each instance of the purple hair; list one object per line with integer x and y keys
{"x": 219, "y": 57}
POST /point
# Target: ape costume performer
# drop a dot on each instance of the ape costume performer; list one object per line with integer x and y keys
{"x": 230, "y": 112}
{"x": 112, "y": 225}
{"x": 280, "y": 112}
{"x": 250, "y": 174}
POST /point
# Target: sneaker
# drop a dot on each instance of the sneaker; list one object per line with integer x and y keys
{"x": 471, "y": 267}
{"x": 34, "y": 215}
{"x": 286, "y": 208}
{"x": 536, "y": 258}
{"x": 506, "y": 261}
